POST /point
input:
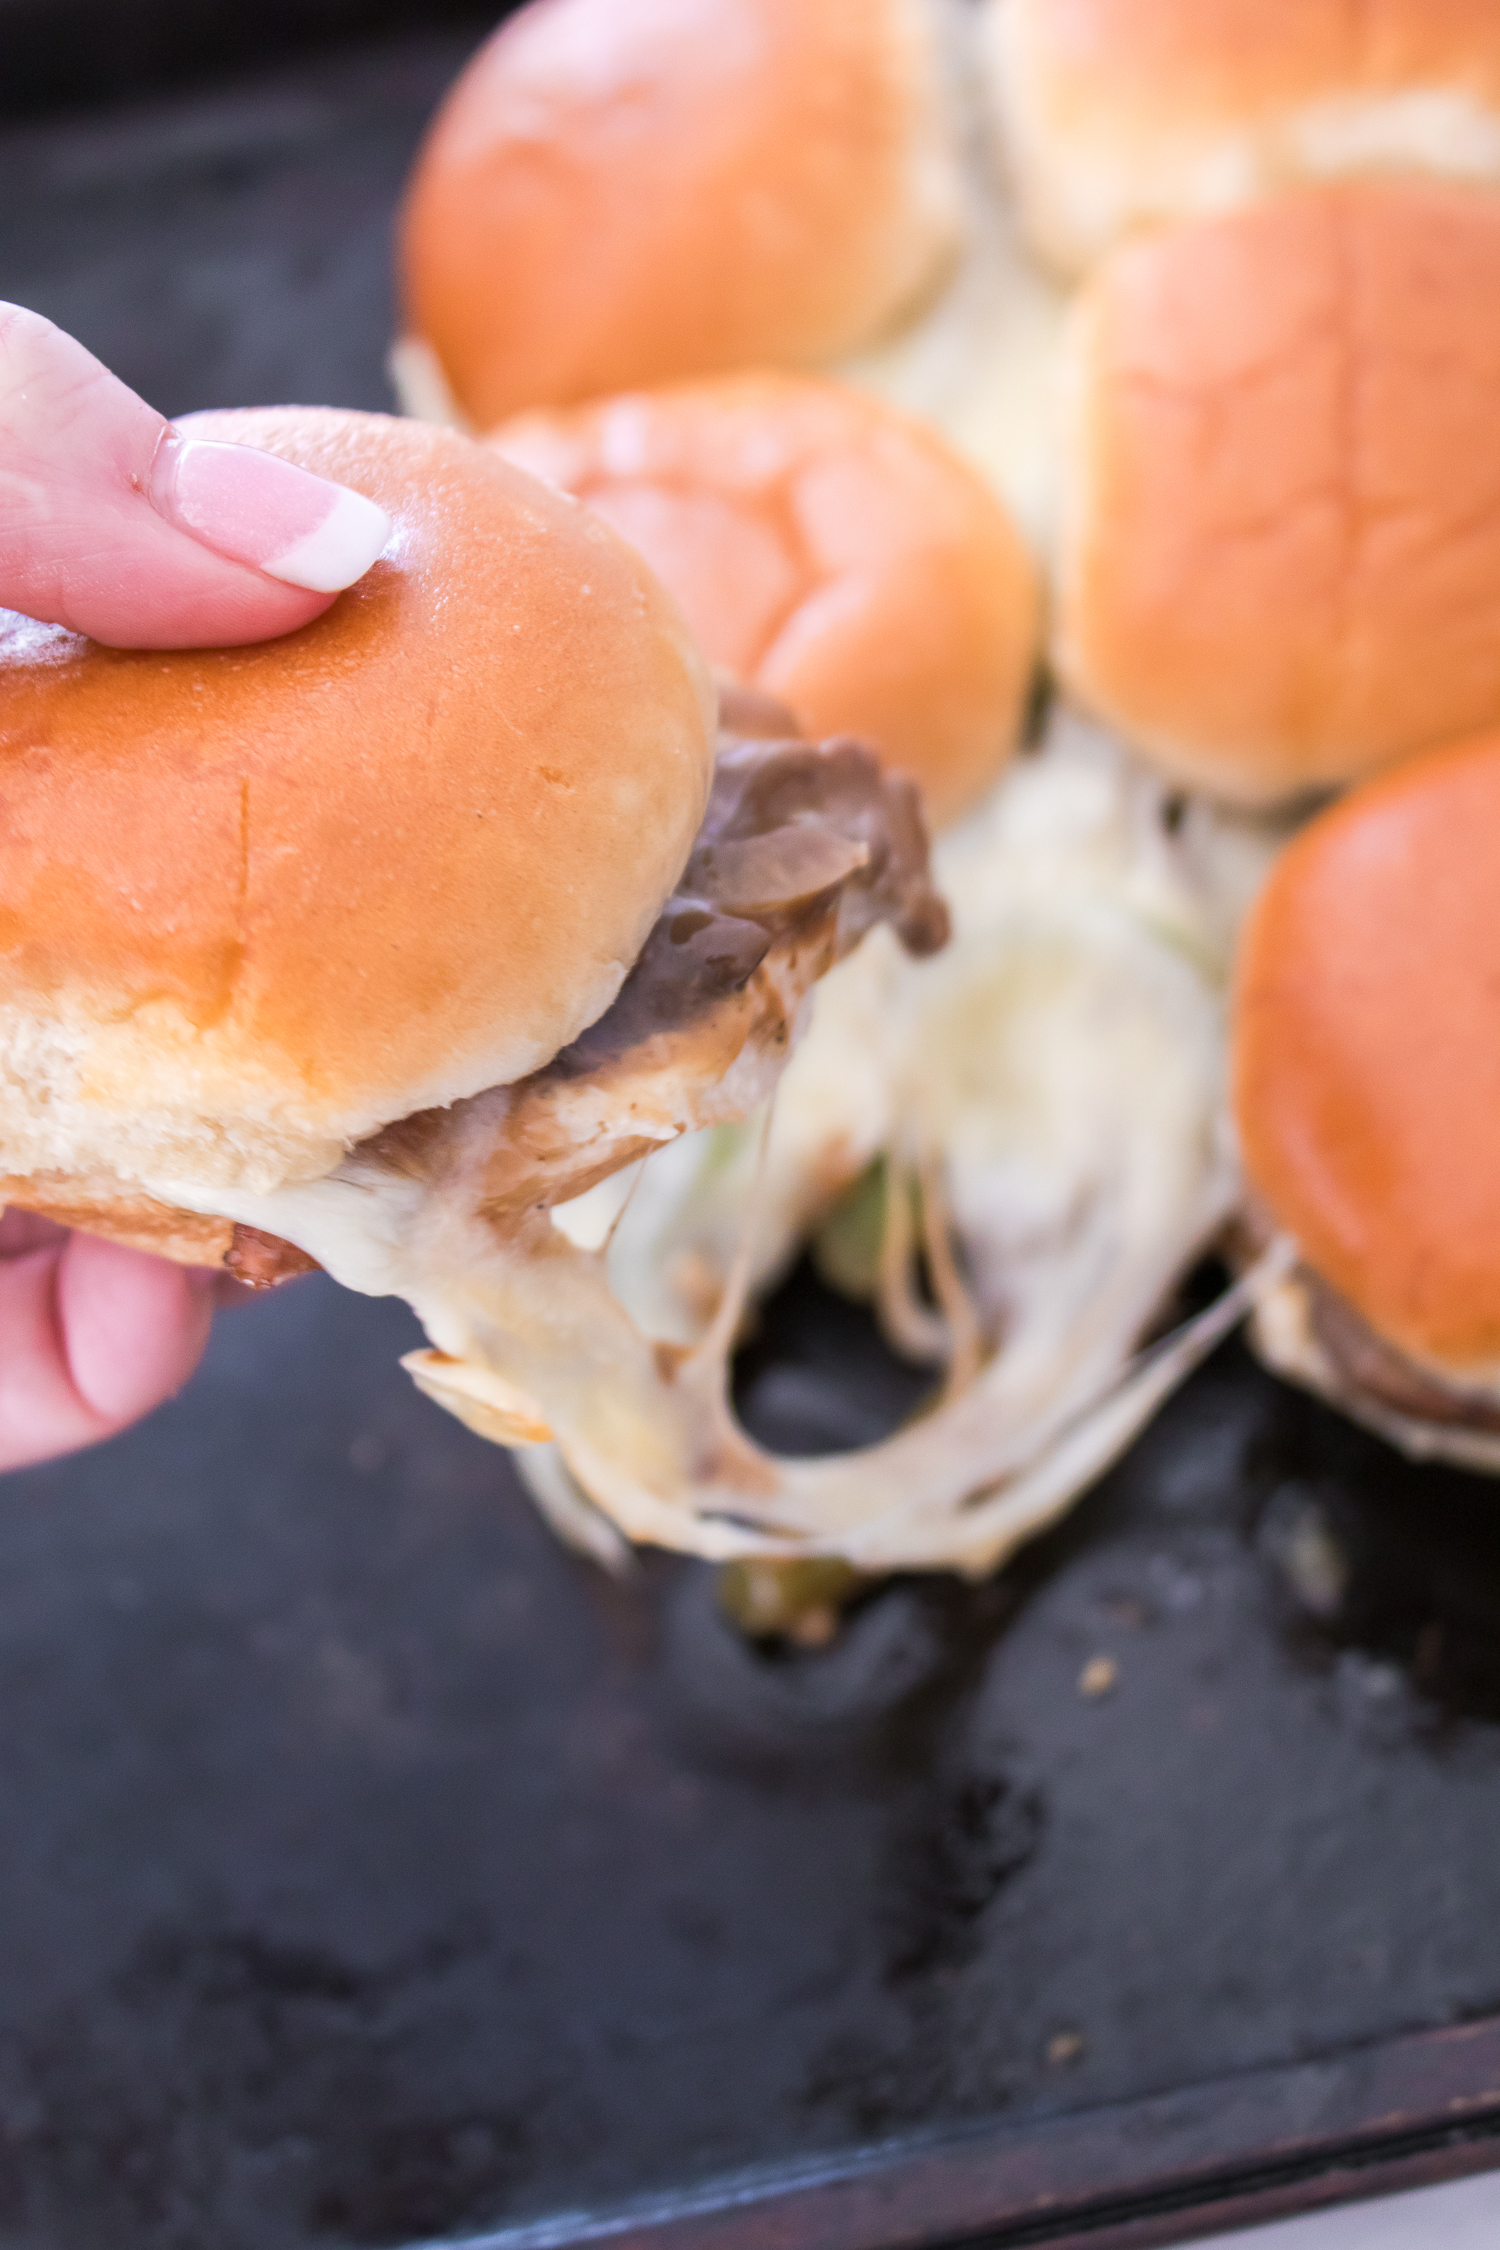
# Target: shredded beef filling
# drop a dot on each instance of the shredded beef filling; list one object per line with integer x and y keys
{"x": 788, "y": 826}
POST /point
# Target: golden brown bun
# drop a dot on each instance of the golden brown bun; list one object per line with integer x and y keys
{"x": 256, "y": 902}
{"x": 1123, "y": 112}
{"x": 619, "y": 193}
{"x": 1280, "y": 556}
{"x": 1367, "y": 1053}
{"x": 824, "y": 548}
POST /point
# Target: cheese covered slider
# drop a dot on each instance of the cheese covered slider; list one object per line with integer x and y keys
{"x": 260, "y": 907}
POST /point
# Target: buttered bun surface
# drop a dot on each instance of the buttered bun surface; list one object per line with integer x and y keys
{"x": 623, "y": 194}
{"x": 824, "y": 548}
{"x": 1119, "y": 113}
{"x": 1367, "y": 1053}
{"x": 1279, "y": 562}
{"x": 257, "y": 902}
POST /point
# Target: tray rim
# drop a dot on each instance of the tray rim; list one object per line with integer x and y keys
{"x": 1228, "y": 2152}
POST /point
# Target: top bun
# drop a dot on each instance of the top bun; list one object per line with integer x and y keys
{"x": 257, "y": 902}
{"x": 1122, "y": 112}
{"x": 1367, "y": 1053}
{"x": 826, "y": 549}
{"x": 1279, "y": 563}
{"x": 619, "y": 193}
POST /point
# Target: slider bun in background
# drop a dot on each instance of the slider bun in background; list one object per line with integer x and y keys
{"x": 1123, "y": 112}
{"x": 1279, "y": 560}
{"x": 1367, "y": 1054}
{"x": 825, "y": 549}
{"x": 256, "y": 902}
{"x": 622, "y": 194}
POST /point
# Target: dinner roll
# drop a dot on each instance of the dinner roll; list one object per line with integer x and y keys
{"x": 824, "y": 548}
{"x": 1279, "y": 558}
{"x": 1367, "y": 1054}
{"x": 614, "y": 195}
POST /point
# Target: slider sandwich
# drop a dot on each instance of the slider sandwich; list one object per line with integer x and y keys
{"x": 1366, "y": 1089}
{"x": 826, "y": 550}
{"x": 1118, "y": 114}
{"x": 365, "y": 946}
{"x": 1279, "y": 558}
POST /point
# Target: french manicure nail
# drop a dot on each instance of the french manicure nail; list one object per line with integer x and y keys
{"x": 255, "y": 508}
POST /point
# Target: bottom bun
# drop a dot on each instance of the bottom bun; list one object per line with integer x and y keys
{"x": 138, "y": 1221}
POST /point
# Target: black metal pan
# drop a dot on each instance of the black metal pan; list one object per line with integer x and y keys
{"x": 372, "y": 1871}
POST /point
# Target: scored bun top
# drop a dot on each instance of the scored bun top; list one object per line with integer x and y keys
{"x": 256, "y": 902}
{"x": 1367, "y": 1053}
{"x": 620, "y": 194}
{"x": 826, "y": 549}
{"x": 1279, "y": 563}
{"x": 1123, "y": 112}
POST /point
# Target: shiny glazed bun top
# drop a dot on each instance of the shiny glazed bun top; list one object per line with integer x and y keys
{"x": 1279, "y": 564}
{"x": 256, "y": 902}
{"x": 1121, "y": 112}
{"x": 621, "y": 194}
{"x": 1367, "y": 1053}
{"x": 824, "y": 548}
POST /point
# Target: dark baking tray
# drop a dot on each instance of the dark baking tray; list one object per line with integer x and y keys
{"x": 373, "y": 1871}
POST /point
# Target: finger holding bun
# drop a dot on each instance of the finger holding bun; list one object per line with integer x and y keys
{"x": 1279, "y": 560}
{"x": 614, "y": 195}
{"x": 1367, "y": 1069}
{"x": 256, "y": 902}
{"x": 92, "y": 1336}
{"x": 825, "y": 549}
{"x": 1122, "y": 113}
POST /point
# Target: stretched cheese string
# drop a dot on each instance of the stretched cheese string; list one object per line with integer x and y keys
{"x": 531, "y": 1345}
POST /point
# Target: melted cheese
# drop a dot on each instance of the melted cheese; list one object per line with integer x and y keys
{"x": 1061, "y": 1062}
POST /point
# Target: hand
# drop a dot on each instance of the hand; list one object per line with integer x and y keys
{"x": 92, "y": 1336}
{"x": 116, "y": 524}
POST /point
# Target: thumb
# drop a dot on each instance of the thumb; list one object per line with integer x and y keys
{"x": 116, "y": 524}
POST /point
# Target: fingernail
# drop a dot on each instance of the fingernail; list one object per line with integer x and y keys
{"x": 255, "y": 508}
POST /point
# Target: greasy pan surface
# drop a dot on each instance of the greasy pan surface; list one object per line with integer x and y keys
{"x": 371, "y": 1870}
